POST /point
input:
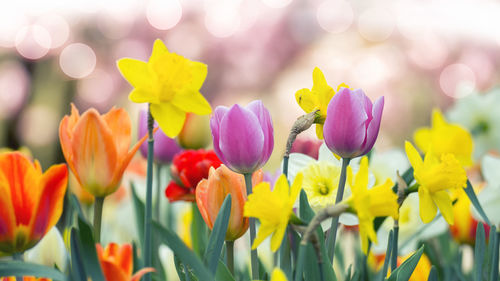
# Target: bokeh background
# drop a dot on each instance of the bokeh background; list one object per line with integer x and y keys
{"x": 418, "y": 54}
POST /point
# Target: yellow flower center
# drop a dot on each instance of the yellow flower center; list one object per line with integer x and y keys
{"x": 322, "y": 188}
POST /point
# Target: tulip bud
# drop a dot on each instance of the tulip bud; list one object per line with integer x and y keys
{"x": 196, "y": 132}
{"x": 210, "y": 195}
{"x": 243, "y": 136}
{"x": 352, "y": 123}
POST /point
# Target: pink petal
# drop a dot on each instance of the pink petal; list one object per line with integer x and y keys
{"x": 374, "y": 125}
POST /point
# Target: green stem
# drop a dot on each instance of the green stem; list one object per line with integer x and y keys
{"x": 254, "y": 255}
{"x": 494, "y": 267}
{"x": 18, "y": 257}
{"x": 98, "y": 204}
{"x": 394, "y": 254}
{"x": 285, "y": 165}
{"x": 158, "y": 192}
{"x": 332, "y": 234}
{"x": 149, "y": 197}
{"x": 230, "y": 256}
{"x": 300, "y": 261}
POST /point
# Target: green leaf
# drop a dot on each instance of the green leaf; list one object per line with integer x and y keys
{"x": 218, "y": 235}
{"x": 18, "y": 268}
{"x": 75, "y": 204}
{"x": 405, "y": 270}
{"x": 433, "y": 275}
{"x": 493, "y": 245}
{"x": 88, "y": 251}
{"x": 479, "y": 252}
{"x": 139, "y": 213}
{"x": 77, "y": 268}
{"x": 388, "y": 252}
{"x": 179, "y": 268}
{"x": 187, "y": 256}
{"x": 475, "y": 202}
{"x": 198, "y": 232}
{"x": 348, "y": 273}
{"x": 223, "y": 273}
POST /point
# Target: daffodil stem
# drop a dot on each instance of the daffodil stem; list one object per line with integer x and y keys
{"x": 98, "y": 204}
{"x": 285, "y": 165}
{"x": 394, "y": 254}
{"x": 254, "y": 255}
{"x": 332, "y": 234}
{"x": 230, "y": 256}
{"x": 158, "y": 192}
{"x": 149, "y": 198}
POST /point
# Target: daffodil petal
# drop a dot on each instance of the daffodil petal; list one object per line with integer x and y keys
{"x": 413, "y": 155}
{"x": 422, "y": 139}
{"x": 319, "y": 131}
{"x": 159, "y": 49}
{"x": 278, "y": 275}
{"x": 199, "y": 72}
{"x": 138, "y": 95}
{"x": 192, "y": 101}
{"x": 262, "y": 234}
{"x": 443, "y": 201}
{"x": 427, "y": 206}
{"x": 136, "y": 72}
{"x": 277, "y": 237}
{"x": 306, "y": 100}
{"x": 169, "y": 117}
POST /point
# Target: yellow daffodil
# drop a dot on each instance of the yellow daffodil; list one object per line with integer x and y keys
{"x": 370, "y": 203}
{"x": 436, "y": 177}
{"x": 272, "y": 208}
{"x": 444, "y": 137}
{"x": 278, "y": 275}
{"x": 170, "y": 83}
{"x": 317, "y": 98}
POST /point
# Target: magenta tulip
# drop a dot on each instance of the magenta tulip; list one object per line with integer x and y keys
{"x": 164, "y": 147}
{"x": 243, "y": 136}
{"x": 352, "y": 123}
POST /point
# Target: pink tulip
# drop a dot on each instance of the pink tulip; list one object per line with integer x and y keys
{"x": 352, "y": 123}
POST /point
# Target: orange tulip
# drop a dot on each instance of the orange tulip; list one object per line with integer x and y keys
{"x": 210, "y": 195}
{"x": 116, "y": 263}
{"x": 31, "y": 202}
{"x": 25, "y": 278}
{"x": 96, "y": 148}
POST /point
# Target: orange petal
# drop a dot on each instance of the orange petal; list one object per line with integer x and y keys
{"x": 50, "y": 205}
{"x": 202, "y": 200}
{"x": 124, "y": 259}
{"x": 119, "y": 122}
{"x": 65, "y": 136}
{"x": 94, "y": 154}
{"x": 137, "y": 276}
{"x": 113, "y": 272}
{"x": 7, "y": 215}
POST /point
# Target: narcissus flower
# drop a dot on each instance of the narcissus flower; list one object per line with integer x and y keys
{"x": 352, "y": 123}
{"x": 96, "y": 148}
{"x": 243, "y": 136}
{"x": 211, "y": 192}
{"x": 117, "y": 263}
{"x": 444, "y": 137}
{"x": 188, "y": 169}
{"x": 273, "y": 209}
{"x": 165, "y": 148}
{"x": 278, "y": 275}
{"x": 31, "y": 202}
{"x": 436, "y": 177}
{"x": 368, "y": 204}
{"x": 170, "y": 83}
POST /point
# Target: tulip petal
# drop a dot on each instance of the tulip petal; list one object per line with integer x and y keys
{"x": 192, "y": 101}
{"x": 50, "y": 206}
{"x": 174, "y": 192}
{"x": 94, "y": 153}
{"x": 241, "y": 139}
{"x": 427, "y": 206}
{"x": 124, "y": 258}
{"x": 119, "y": 123}
{"x": 136, "y": 72}
{"x": 266, "y": 124}
{"x": 215, "y": 122}
{"x": 113, "y": 272}
{"x": 202, "y": 201}
{"x": 7, "y": 215}
{"x": 344, "y": 130}
{"x": 65, "y": 138}
{"x": 375, "y": 117}
{"x": 169, "y": 117}
{"x": 443, "y": 202}
{"x": 138, "y": 275}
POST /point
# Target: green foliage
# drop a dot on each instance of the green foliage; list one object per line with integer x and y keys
{"x": 18, "y": 268}
{"x": 405, "y": 270}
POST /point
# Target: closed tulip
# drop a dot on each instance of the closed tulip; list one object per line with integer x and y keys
{"x": 117, "y": 263}
{"x": 243, "y": 137}
{"x": 164, "y": 147}
{"x": 31, "y": 202}
{"x": 96, "y": 148}
{"x": 211, "y": 192}
{"x": 352, "y": 123}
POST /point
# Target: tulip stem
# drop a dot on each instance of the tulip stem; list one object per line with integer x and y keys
{"x": 18, "y": 257}
{"x": 332, "y": 234}
{"x": 230, "y": 256}
{"x": 149, "y": 196}
{"x": 98, "y": 204}
{"x": 254, "y": 255}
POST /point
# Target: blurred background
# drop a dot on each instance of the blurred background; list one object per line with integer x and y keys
{"x": 418, "y": 54}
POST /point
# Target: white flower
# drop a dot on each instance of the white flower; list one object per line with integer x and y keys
{"x": 411, "y": 228}
{"x": 479, "y": 114}
{"x": 49, "y": 251}
{"x": 489, "y": 197}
